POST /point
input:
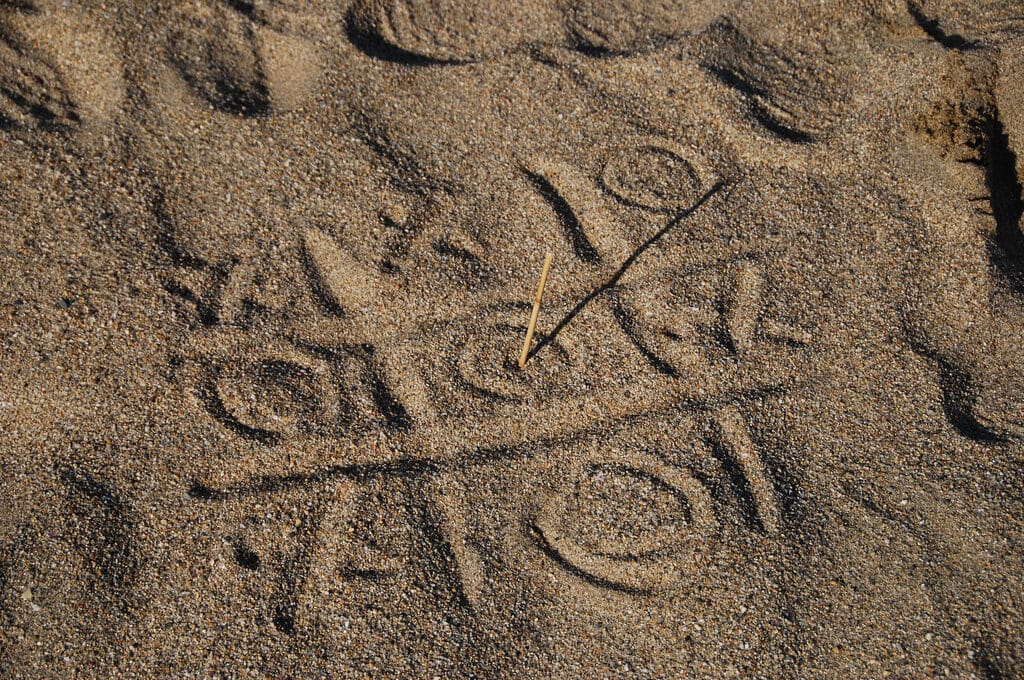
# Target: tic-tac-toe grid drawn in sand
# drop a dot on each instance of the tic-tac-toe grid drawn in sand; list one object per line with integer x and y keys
{"x": 477, "y": 373}
{"x": 441, "y": 383}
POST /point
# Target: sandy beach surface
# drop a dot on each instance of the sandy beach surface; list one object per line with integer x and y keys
{"x": 266, "y": 271}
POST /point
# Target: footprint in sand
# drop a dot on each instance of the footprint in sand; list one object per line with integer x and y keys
{"x": 795, "y": 90}
{"x": 972, "y": 129}
{"x": 969, "y": 24}
{"x": 239, "y": 63}
{"x": 627, "y": 26}
{"x": 59, "y": 70}
{"x": 441, "y": 31}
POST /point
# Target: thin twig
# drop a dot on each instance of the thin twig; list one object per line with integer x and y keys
{"x": 536, "y": 312}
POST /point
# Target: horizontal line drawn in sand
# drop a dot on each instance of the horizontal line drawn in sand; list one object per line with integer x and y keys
{"x": 642, "y": 566}
{"x": 616, "y": 27}
{"x": 416, "y": 32}
{"x": 670, "y": 547}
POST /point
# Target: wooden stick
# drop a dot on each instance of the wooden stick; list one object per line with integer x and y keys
{"x": 536, "y": 312}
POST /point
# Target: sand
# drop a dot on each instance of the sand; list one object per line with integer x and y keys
{"x": 266, "y": 274}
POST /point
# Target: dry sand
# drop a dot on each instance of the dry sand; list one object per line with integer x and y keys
{"x": 267, "y": 267}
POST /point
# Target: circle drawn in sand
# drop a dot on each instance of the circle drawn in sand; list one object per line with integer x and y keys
{"x": 486, "y": 365}
{"x": 272, "y": 394}
{"x": 648, "y": 544}
{"x": 655, "y": 173}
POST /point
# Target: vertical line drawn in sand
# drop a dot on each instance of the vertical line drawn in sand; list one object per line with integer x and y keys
{"x": 407, "y": 388}
{"x": 744, "y": 308}
{"x": 633, "y": 257}
{"x": 747, "y": 467}
{"x": 449, "y": 503}
{"x": 295, "y": 572}
{"x": 590, "y": 226}
{"x": 104, "y": 533}
{"x": 525, "y": 354}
